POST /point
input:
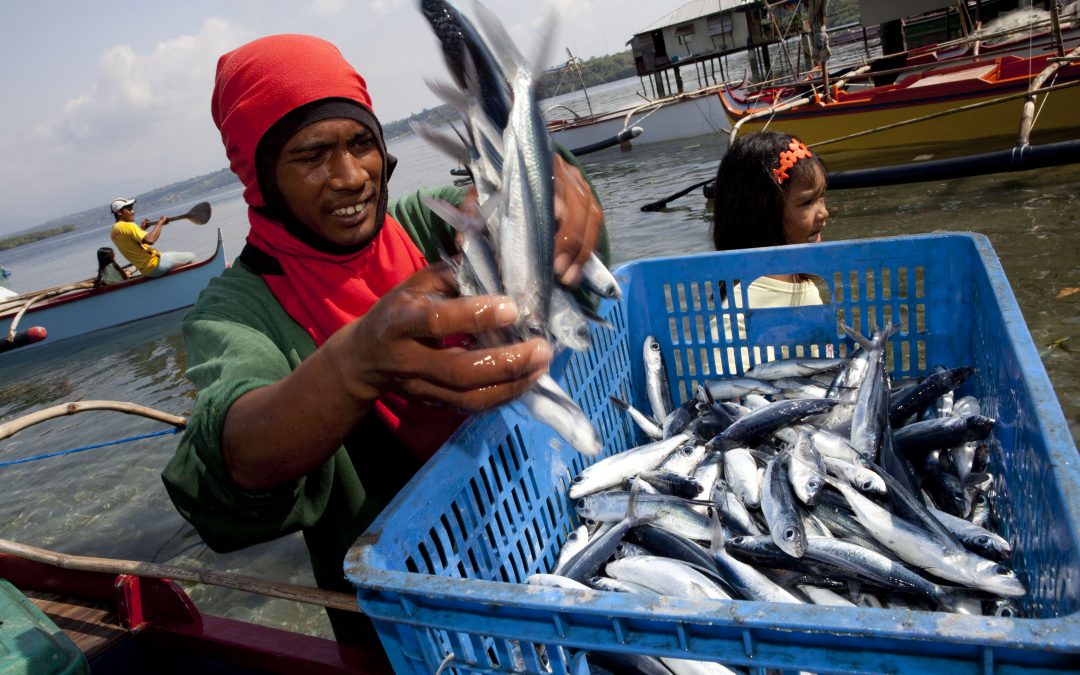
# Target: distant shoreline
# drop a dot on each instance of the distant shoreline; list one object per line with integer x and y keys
{"x": 29, "y": 238}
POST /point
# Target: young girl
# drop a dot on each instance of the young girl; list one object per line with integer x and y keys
{"x": 770, "y": 191}
{"x": 109, "y": 272}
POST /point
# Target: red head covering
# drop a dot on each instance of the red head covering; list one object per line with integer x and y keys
{"x": 257, "y": 85}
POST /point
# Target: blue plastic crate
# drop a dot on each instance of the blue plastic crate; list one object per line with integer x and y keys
{"x": 440, "y": 571}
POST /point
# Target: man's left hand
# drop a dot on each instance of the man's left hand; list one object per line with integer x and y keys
{"x": 580, "y": 219}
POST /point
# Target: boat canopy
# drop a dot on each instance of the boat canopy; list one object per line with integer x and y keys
{"x": 874, "y": 12}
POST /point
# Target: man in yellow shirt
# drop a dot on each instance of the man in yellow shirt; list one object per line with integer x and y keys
{"x": 135, "y": 242}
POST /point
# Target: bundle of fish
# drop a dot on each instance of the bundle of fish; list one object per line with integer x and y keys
{"x": 508, "y": 243}
{"x": 805, "y": 481}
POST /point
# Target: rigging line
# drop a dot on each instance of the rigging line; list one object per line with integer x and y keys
{"x": 1045, "y": 98}
{"x": 89, "y": 447}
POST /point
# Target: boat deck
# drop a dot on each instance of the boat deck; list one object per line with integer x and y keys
{"x": 93, "y": 627}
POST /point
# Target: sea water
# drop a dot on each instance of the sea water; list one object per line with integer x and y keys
{"x": 110, "y": 502}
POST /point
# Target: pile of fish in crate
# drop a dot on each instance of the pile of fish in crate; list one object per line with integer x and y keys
{"x": 808, "y": 480}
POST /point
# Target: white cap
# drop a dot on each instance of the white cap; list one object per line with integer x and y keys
{"x": 121, "y": 204}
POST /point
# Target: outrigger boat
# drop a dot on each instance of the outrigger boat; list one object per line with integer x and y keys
{"x": 943, "y": 111}
{"x": 50, "y": 315}
{"x": 79, "y": 621}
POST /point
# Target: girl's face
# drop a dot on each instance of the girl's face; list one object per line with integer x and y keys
{"x": 805, "y": 215}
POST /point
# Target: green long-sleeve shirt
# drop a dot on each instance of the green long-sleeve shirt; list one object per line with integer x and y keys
{"x": 239, "y": 339}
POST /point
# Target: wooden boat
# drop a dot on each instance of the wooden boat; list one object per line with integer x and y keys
{"x": 694, "y": 113}
{"x": 71, "y": 311}
{"x": 134, "y": 624}
{"x": 941, "y": 111}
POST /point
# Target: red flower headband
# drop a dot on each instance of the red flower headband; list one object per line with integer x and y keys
{"x": 796, "y": 151}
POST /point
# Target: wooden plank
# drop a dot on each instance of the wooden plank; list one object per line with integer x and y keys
{"x": 94, "y": 628}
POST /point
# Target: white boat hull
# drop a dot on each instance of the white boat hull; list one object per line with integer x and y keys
{"x": 694, "y": 114}
{"x": 82, "y": 312}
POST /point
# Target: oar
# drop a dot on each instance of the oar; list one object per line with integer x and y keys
{"x": 199, "y": 214}
{"x": 661, "y": 203}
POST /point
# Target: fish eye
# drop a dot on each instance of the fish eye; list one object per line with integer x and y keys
{"x": 655, "y": 346}
{"x": 1005, "y": 611}
{"x": 867, "y": 486}
{"x": 576, "y": 480}
{"x": 791, "y": 534}
{"x": 982, "y": 541}
{"x": 1002, "y": 571}
{"x": 573, "y": 536}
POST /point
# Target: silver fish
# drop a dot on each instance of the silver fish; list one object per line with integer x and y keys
{"x": 575, "y": 541}
{"x": 743, "y": 578}
{"x": 823, "y": 596}
{"x": 752, "y": 428}
{"x": 527, "y": 227}
{"x": 656, "y": 380}
{"x": 555, "y": 581}
{"x": 612, "y": 471}
{"x": 648, "y": 425}
{"x": 798, "y": 367}
{"x": 596, "y": 277}
{"x": 806, "y": 470}
{"x": 873, "y": 566}
{"x": 670, "y": 513}
{"x": 547, "y": 401}
{"x": 972, "y": 535}
{"x": 919, "y": 548}
{"x": 690, "y": 667}
{"x": 859, "y": 476}
{"x": 602, "y": 583}
{"x": 666, "y": 577}
{"x": 741, "y": 471}
{"x": 778, "y": 506}
{"x": 723, "y": 390}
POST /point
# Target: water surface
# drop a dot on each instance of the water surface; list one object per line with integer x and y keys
{"x": 110, "y": 502}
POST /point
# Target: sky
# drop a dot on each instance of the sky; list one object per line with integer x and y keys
{"x": 112, "y": 98}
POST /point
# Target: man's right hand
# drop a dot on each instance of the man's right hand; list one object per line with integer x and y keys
{"x": 396, "y": 347}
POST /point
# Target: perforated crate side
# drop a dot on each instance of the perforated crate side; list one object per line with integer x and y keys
{"x": 448, "y": 607}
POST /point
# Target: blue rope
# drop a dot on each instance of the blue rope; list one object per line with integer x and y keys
{"x": 90, "y": 447}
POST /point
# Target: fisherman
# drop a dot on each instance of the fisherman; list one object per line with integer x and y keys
{"x": 330, "y": 359}
{"x": 136, "y": 243}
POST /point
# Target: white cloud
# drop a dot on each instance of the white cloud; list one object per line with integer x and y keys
{"x": 328, "y": 8}
{"x": 134, "y": 91}
{"x": 143, "y": 122}
{"x": 384, "y": 7}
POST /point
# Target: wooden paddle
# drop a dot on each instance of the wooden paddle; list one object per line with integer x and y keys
{"x": 199, "y": 214}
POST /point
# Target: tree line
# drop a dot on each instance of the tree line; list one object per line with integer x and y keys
{"x": 567, "y": 78}
{"x": 12, "y": 242}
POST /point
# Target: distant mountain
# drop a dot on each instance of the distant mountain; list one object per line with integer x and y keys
{"x": 595, "y": 71}
{"x": 153, "y": 202}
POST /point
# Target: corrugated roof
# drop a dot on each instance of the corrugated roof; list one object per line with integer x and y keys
{"x": 692, "y": 10}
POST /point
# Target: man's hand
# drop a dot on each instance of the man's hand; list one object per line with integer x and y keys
{"x": 580, "y": 219}
{"x": 397, "y": 346}
{"x": 153, "y": 235}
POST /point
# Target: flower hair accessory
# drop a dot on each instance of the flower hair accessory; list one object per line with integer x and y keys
{"x": 796, "y": 151}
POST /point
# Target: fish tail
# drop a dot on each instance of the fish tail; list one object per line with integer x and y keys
{"x": 856, "y": 336}
{"x": 457, "y": 219}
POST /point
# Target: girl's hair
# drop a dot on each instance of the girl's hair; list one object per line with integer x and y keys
{"x": 749, "y": 203}
{"x": 105, "y": 255}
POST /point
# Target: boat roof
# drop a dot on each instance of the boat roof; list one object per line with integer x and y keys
{"x": 694, "y": 9}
